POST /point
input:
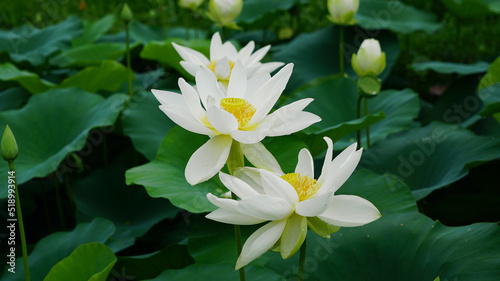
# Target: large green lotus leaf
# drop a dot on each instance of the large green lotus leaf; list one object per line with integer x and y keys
{"x": 93, "y": 30}
{"x": 219, "y": 272}
{"x": 144, "y": 33}
{"x": 28, "y": 80}
{"x": 316, "y": 54}
{"x": 53, "y": 248}
{"x": 213, "y": 242}
{"x": 164, "y": 176}
{"x": 451, "y": 67}
{"x": 406, "y": 246}
{"x": 471, "y": 8}
{"x": 52, "y": 125}
{"x": 458, "y": 104}
{"x": 335, "y": 102}
{"x": 261, "y": 13}
{"x": 88, "y": 55}
{"x": 109, "y": 76}
{"x": 395, "y": 16}
{"x": 145, "y": 123}
{"x": 492, "y": 76}
{"x": 286, "y": 151}
{"x": 13, "y": 98}
{"x": 491, "y": 100}
{"x": 138, "y": 212}
{"x": 430, "y": 157}
{"x": 151, "y": 265}
{"x": 88, "y": 262}
{"x": 165, "y": 53}
{"x": 27, "y": 43}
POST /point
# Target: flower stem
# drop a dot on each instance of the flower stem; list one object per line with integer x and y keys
{"x": 21, "y": 225}
{"x": 129, "y": 68}
{"x": 186, "y": 24}
{"x": 358, "y": 115}
{"x": 302, "y": 261}
{"x": 367, "y": 127}
{"x": 341, "y": 50}
{"x": 236, "y": 160}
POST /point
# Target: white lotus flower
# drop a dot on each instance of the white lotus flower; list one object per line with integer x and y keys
{"x": 292, "y": 202}
{"x": 370, "y": 59}
{"x": 342, "y": 11}
{"x": 223, "y": 58}
{"x": 239, "y": 114}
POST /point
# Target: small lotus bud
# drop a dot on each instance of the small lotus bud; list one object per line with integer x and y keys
{"x": 126, "y": 13}
{"x": 190, "y": 4}
{"x": 342, "y": 11}
{"x": 8, "y": 145}
{"x": 370, "y": 60}
{"x": 223, "y": 12}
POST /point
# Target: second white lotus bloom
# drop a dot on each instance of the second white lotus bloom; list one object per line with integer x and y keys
{"x": 370, "y": 60}
{"x": 223, "y": 58}
{"x": 239, "y": 114}
{"x": 292, "y": 202}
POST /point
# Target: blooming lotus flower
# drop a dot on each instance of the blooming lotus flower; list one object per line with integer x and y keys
{"x": 292, "y": 202}
{"x": 190, "y": 4}
{"x": 223, "y": 57}
{"x": 240, "y": 114}
{"x": 370, "y": 59}
{"x": 223, "y": 12}
{"x": 342, "y": 11}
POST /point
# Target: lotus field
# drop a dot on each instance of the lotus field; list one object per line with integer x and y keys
{"x": 250, "y": 140}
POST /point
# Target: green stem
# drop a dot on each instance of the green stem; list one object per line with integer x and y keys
{"x": 224, "y": 34}
{"x": 358, "y": 115}
{"x": 236, "y": 160}
{"x": 129, "y": 68}
{"x": 367, "y": 127}
{"x": 186, "y": 24}
{"x": 341, "y": 50}
{"x": 59, "y": 205}
{"x": 21, "y": 225}
{"x": 302, "y": 261}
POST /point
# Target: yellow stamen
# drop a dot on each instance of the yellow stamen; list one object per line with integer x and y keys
{"x": 223, "y": 80}
{"x": 303, "y": 185}
{"x": 239, "y": 108}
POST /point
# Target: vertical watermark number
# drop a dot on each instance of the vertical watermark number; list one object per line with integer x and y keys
{"x": 11, "y": 221}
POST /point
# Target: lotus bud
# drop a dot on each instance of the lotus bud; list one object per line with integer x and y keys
{"x": 370, "y": 60}
{"x": 126, "y": 14}
{"x": 8, "y": 146}
{"x": 190, "y": 4}
{"x": 342, "y": 11}
{"x": 223, "y": 12}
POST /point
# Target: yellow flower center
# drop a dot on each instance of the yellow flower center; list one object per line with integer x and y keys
{"x": 303, "y": 185}
{"x": 239, "y": 108}
{"x": 223, "y": 80}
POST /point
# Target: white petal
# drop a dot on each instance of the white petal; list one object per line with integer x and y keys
{"x": 250, "y": 137}
{"x": 192, "y": 99}
{"x": 350, "y": 210}
{"x": 216, "y": 51}
{"x": 277, "y": 187}
{"x": 265, "y": 207}
{"x": 208, "y": 159}
{"x": 267, "y": 95}
{"x": 237, "y": 186}
{"x": 208, "y": 89}
{"x": 222, "y": 68}
{"x": 255, "y": 83}
{"x": 191, "y": 55}
{"x": 305, "y": 166}
{"x": 229, "y": 51}
{"x": 314, "y": 206}
{"x": 299, "y": 122}
{"x": 327, "y": 162}
{"x": 238, "y": 82}
{"x": 258, "y": 55}
{"x": 183, "y": 117}
{"x": 169, "y": 98}
{"x": 260, "y": 241}
{"x": 251, "y": 176}
{"x": 191, "y": 67}
{"x": 268, "y": 67}
{"x": 260, "y": 157}
{"x": 341, "y": 168}
{"x": 228, "y": 213}
{"x": 222, "y": 121}
{"x": 245, "y": 52}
